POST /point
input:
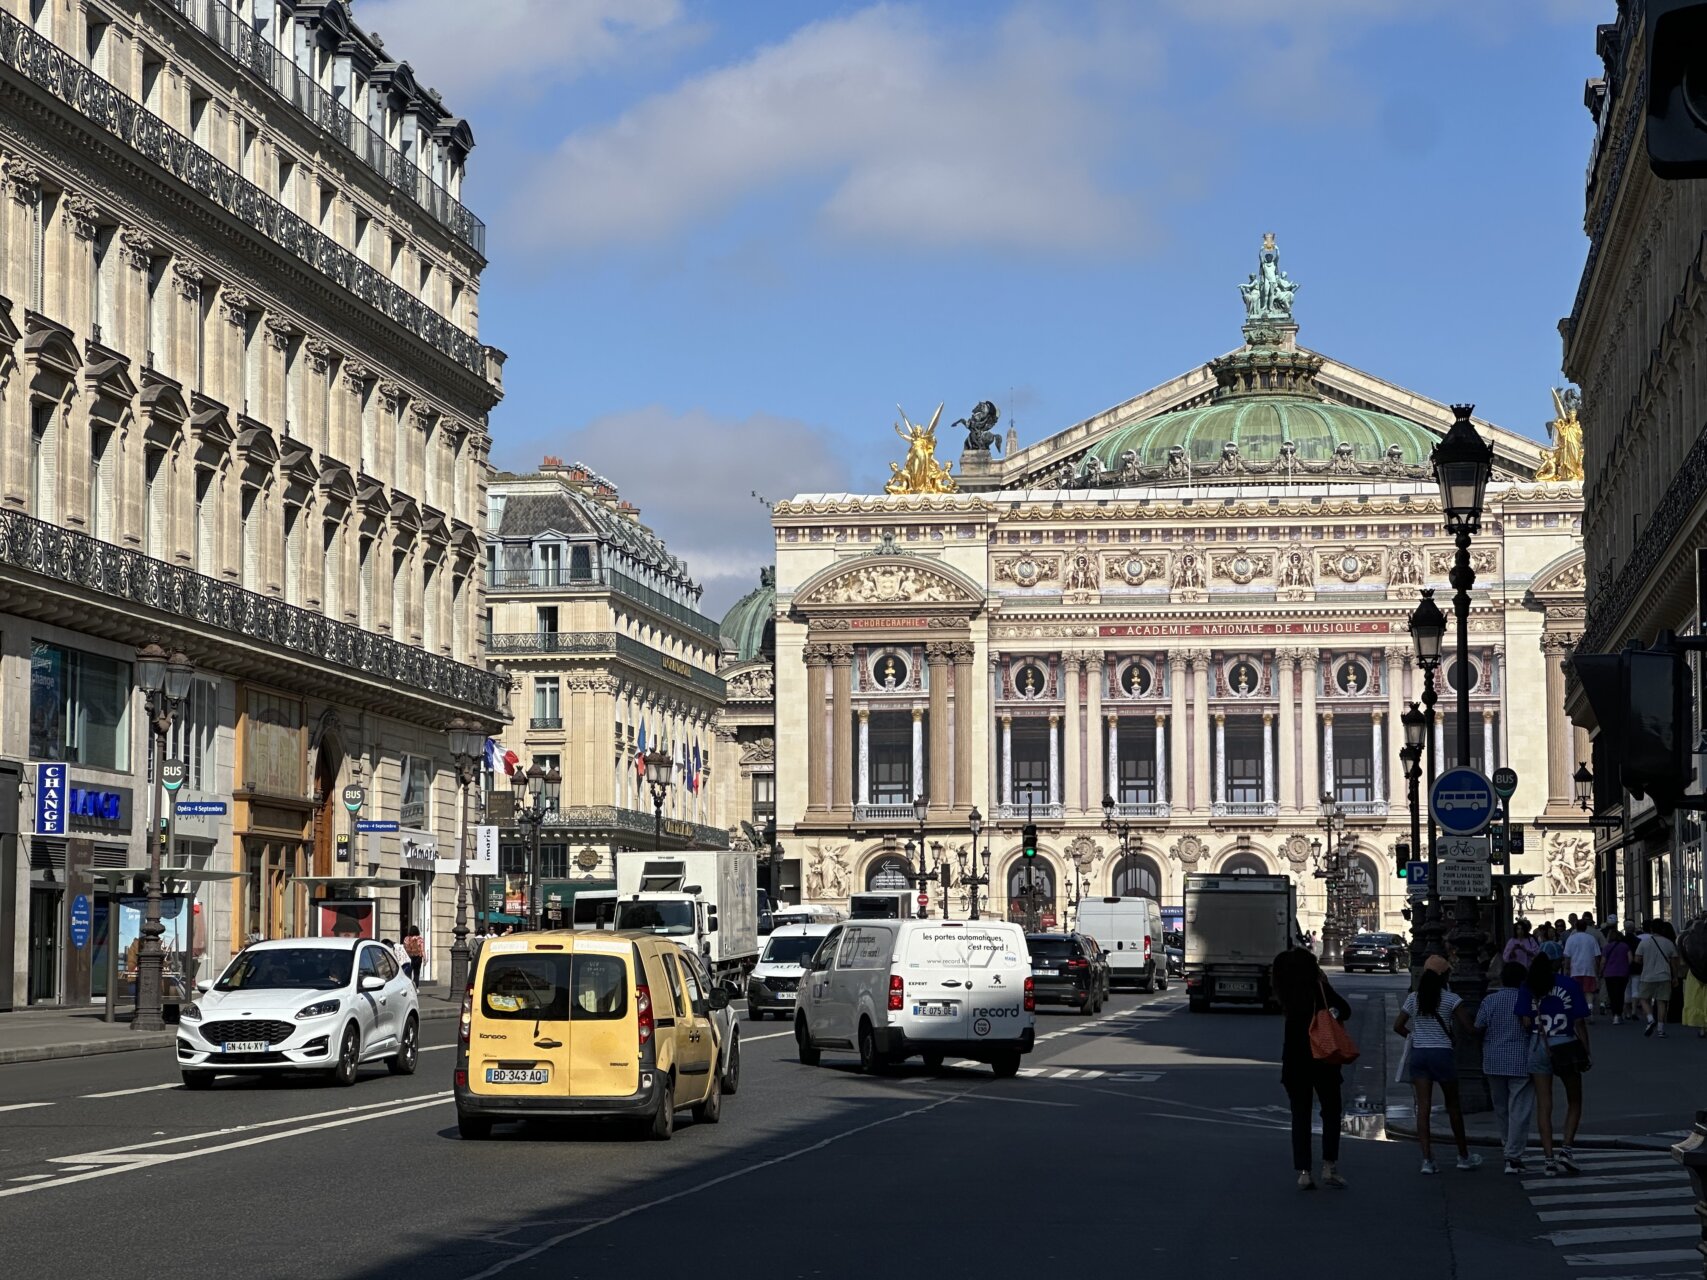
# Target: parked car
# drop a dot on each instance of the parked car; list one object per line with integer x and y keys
{"x": 1374, "y": 951}
{"x": 326, "y": 1005}
{"x": 723, "y": 1019}
{"x": 774, "y": 983}
{"x": 1066, "y": 969}
{"x": 934, "y": 989}
{"x": 561, "y": 1025}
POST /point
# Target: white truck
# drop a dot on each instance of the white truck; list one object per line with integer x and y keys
{"x": 704, "y": 898}
{"x": 1235, "y": 925}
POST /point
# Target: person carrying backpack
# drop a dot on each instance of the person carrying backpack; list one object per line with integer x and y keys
{"x": 415, "y": 947}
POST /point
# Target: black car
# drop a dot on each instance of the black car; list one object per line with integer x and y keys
{"x": 1374, "y": 951}
{"x": 1068, "y": 968}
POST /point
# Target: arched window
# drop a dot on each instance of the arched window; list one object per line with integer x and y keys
{"x": 1031, "y": 893}
{"x": 1364, "y": 895}
{"x": 1244, "y": 864}
{"x": 888, "y": 872}
{"x": 1138, "y": 876}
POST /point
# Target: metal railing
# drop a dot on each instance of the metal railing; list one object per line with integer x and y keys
{"x": 272, "y": 67}
{"x": 1244, "y": 809}
{"x": 1362, "y": 808}
{"x": 885, "y": 812}
{"x": 604, "y": 817}
{"x": 129, "y": 578}
{"x": 567, "y": 581}
{"x": 606, "y": 643}
{"x": 1143, "y": 809}
{"x": 545, "y": 722}
{"x": 50, "y": 67}
{"x": 1038, "y": 809}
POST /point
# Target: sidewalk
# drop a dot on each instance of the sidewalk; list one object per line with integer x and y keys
{"x": 1643, "y": 1092}
{"x": 41, "y": 1033}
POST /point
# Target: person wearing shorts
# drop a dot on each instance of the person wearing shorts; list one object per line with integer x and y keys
{"x": 1554, "y": 1011}
{"x": 1582, "y": 958}
{"x": 1654, "y": 956}
{"x": 1426, "y": 1017}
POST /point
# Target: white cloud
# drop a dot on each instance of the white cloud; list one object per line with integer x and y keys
{"x": 995, "y": 137}
{"x": 693, "y": 476}
{"x": 466, "y": 47}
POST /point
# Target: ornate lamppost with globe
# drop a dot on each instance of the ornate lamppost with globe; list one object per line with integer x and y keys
{"x": 165, "y": 682}
{"x": 467, "y": 747}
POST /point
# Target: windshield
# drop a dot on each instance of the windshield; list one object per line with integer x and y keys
{"x": 288, "y": 968}
{"x": 1051, "y": 948}
{"x": 1370, "y": 940}
{"x": 674, "y": 919}
{"x": 790, "y": 950}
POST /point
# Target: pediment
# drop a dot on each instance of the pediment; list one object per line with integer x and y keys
{"x": 1565, "y": 577}
{"x": 888, "y": 580}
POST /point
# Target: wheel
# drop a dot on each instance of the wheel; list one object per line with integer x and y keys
{"x": 402, "y": 1063}
{"x": 663, "y": 1123}
{"x": 1197, "y": 1004}
{"x": 1162, "y": 981}
{"x": 1006, "y": 1066}
{"x": 933, "y": 1062}
{"x": 1089, "y": 1007}
{"x": 1148, "y": 984}
{"x": 711, "y": 1110}
{"x": 198, "y": 1079}
{"x": 1349, "y": 969}
{"x": 870, "y": 1060}
{"x": 473, "y": 1128}
{"x": 757, "y": 1015}
{"x": 1392, "y": 964}
{"x": 349, "y": 1058}
{"x": 732, "y": 1074}
{"x": 809, "y": 1054}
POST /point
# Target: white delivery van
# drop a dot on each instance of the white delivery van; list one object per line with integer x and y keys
{"x": 933, "y": 989}
{"x": 1129, "y": 930}
{"x": 775, "y": 980}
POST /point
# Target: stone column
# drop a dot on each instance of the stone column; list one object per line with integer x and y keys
{"x": 939, "y": 654}
{"x": 1176, "y": 713}
{"x": 1378, "y": 752}
{"x": 817, "y": 739}
{"x": 864, "y": 779}
{"x": 1488, "y": 761}
{"x": 963, "y": 704}
{"x": 1095, "y": 678}
{"x": 841, "y": 725}
{"x": 1441, "y": 764}
{"x": 1219, "y": 764}
{"x": 918, "y": 752}
{"x": 1072, "y": 664}
{"x": 1162, "y": 758}
{"x": 1561, "y": 789}
{"x": 1268, "y": 757}
{"x": 1396, "y": 799}
{"x": 1054, "y": 759}
{"x": 1200, "y": 787}
{"x": 1309, "y": 754}
{"x": 1327, "y": 755}
{"x": 1286, "y": 667}
{"x": 1005, "y": 781}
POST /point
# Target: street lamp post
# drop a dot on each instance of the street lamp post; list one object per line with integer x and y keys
{"x": 164, "y": 682}
{"x": 1330, "y": 870}
{"x": 970, "y": 877}
{"x": 1416, "y": 729}
{"x": 1120, "y": 828}
{"x": 921, "y": 874}
{"x": 539, "y": 788}
{"x": 660, "y": 769}
{"x": 467, "y": 746}
{"x": 1428, "y": 630}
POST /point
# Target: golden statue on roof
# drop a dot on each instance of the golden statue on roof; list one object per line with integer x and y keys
{"x": 919, "y": 472}
{"x": 1564, "y": 461}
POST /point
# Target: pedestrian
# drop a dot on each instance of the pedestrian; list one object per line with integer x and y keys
{"x": 416, "y": 947}
{"x": 1553, "y": 1010}
{"x": 1656, "y": 958}
{"x": 1582, "y": 959}
{"x": 1692, "y": 945}
{"x": 1552, "y": 945}
{"x": 1522, "y": 947}
{"x": 1505, "y": 1063}
{"x": 1423, "y": 1017}
{"x": 1615, "y": 968}
{"x": 1303, "y": 990}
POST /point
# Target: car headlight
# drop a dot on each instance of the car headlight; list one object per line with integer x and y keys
{"x": 319, "y": 1010}
{"x": 191, "y": 1012}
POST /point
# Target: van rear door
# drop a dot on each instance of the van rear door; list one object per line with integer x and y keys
{"x": 604, "y": 1030}
{"x": 519, "y": 1045}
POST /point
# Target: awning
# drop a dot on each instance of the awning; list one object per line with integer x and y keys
{"x": 192, "y": 874}
{"x": 354, "y": 882}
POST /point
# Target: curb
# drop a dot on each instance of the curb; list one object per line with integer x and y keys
{"x": 436, "y": 1012}
{"x": 1584, "y": 1141}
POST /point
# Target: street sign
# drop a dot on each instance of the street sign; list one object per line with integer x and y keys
{"x": 1416, "y": 879}
{"x": 365, "y": 825}
{"x": 1461, "y": 801}
{"x": 173, "y": 774}
{"x": 342, "y": 841}
{"x": 52, "y": 784}
{"x": 80, "y": 918}
{"x": 924, "y": 901}
{"x": 1505, "y": 782}
{"x": 354, "y": 798}
{"x": 1465, "y": 869}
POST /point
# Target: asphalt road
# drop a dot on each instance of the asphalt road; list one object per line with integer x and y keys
{"x": 1146, "y": 1141}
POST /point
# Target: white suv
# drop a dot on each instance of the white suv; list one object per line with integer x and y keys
{"x": 301, "y": 1004}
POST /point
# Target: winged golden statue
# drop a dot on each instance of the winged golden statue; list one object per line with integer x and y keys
{"x": 919, "y": 472}
{"x": 1564, "y": 461}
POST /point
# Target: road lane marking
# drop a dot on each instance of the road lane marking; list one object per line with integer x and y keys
{"x": 24, "y": 1106}
{"x": 993, "y": 1097}
{"x": 434, "y": 1048}
{"x": 30, "y": 1177}
{"x": 774, "y": 1035}
{"x": 1622, "y": 1235}
{"x": 120, "y": 1093}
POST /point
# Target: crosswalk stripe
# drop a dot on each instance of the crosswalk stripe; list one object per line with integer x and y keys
{"x": 1639, "y": 1258}
{"x": 1680, "y": 1191}
{"x": 1612, "y": 1180}
{"x": 1622, "y": 1235}
{"x": 1619, "y": 1213}
{"x": 23, "y": 1106}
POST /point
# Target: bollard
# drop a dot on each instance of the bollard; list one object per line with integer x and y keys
{"x": 1691, "y": 1153}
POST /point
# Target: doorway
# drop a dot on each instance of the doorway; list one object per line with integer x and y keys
{"x": 44, "y": 945}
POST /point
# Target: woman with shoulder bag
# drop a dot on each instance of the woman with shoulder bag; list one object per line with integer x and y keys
{"x": 1425, "y": 1018}
{"x": 1656, "y": 965}
{"x": 1693, "y": 945}
{"x": 1554, "y": 1012}
{"x": 1305, "y": 994}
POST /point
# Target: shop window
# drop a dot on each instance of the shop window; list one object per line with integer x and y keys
{"x": 79, "y": 707}
{"x": 193, "y": 735}
{"x": 417, "y": 788}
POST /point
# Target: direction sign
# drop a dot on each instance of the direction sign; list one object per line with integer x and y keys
{"x": 1461, "y": 801}
{"x": 1505, "y": 782}
{"x": 354, "y": 798}
{"x": 366, "y": 825}
{"x": 1465, "y": 870}
{"x": 173, "y": 774}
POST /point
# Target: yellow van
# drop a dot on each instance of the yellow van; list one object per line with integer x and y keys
{"x": 561, "y": 1024}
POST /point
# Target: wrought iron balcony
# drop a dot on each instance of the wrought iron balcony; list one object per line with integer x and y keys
{"x": 604, "y": 818}
{"x": 561, "y": 581}
{"x": 545, "y": 722}
{"x": 607, "y": 644}
{"x": 1244, "y": 809}
{"x": 58, "y": 73}
{"x": 1143, "y": 809}
{"x": 273, "y": 68}
{"x": 129, "y": 578}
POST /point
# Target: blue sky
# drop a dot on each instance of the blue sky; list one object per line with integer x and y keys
{"x": 727, "y": 239}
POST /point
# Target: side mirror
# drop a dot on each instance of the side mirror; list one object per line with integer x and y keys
{"x": 372, "y": 982}
{"x": 711, "y": 919}
{"x": 720, "y": 998}
{"x": 204, "y": 985}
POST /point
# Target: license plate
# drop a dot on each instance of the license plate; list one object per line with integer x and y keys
{"x": 1236, "y": 986}
{"x": 1046, "y": 973}
{"x": 934, "y": 1009}
{"x": 787, "y": 995}
{"x": 517, "y": 1075}
{"x": 244, "y": 1046}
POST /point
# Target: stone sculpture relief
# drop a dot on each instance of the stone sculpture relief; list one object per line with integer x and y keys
{"x": 1570, "y": 864}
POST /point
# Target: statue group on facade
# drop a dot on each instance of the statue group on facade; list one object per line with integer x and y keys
{"x": 919, "y": 472}
{"x": 1268, "y": 293}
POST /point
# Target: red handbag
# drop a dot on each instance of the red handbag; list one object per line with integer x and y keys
{"x": 1330, "y": 1043}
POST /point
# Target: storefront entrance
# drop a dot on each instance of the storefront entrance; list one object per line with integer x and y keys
{"x": 44, "y": 944}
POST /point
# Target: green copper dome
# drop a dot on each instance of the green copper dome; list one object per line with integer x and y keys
{"x": 748, "y": 630}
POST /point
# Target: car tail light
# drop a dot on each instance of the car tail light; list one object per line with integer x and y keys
{"x": 1078, "y": 964}
{"x": 1030, "y": 997}
{"x": 1146, "y": 946}
{"x": 895, "y": 992}
{"x": 467, "y": 1012}
{"x": 461, "y": 1080}
{"x": 643, "y": 1012}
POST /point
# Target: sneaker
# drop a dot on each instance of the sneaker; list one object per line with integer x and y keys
{"x": 1429, "y": 1166}
{"x": 1649, "y": 1030}
{"x": 1616, "y": 1020}
{"x": 1331, "y": 1176}
{"x": 1662, "y": 1031}
{"x": 1568, "y": 1160}
{"x": 1469, "y": 1162}
{"x": 1551, "y": 1168}
{"x": 1305, "y": 1181}
{"x": 1514, "y": 1168}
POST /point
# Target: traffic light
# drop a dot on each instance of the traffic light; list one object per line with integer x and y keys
{"x": 1028, "y": 840}
{"x": 1677, "y": 88}
{"x": 1402, "y": 857}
